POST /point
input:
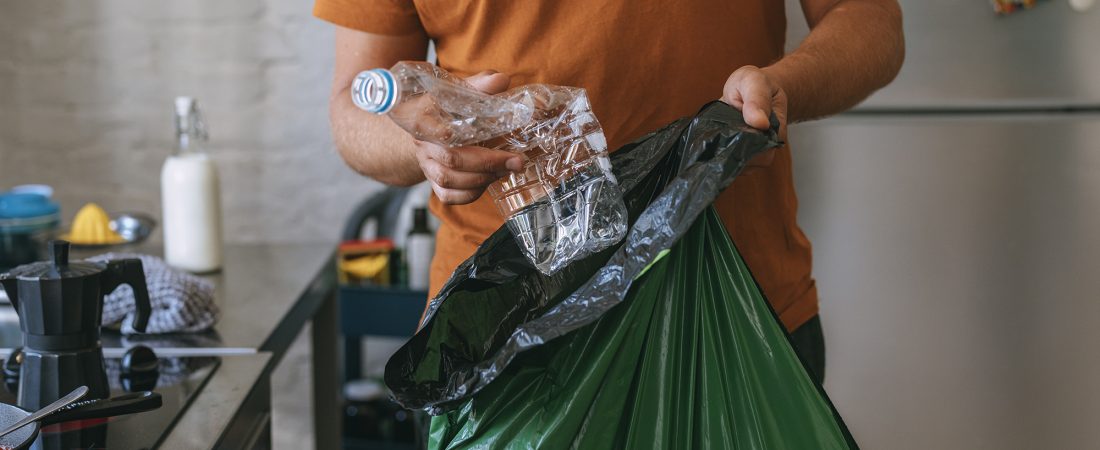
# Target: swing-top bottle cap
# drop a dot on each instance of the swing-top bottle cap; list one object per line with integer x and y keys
{"x": 185, "y": 106}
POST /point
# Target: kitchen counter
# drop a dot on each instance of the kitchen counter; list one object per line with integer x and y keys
{"x": 264, "y": 292}
{"x": 267, "y": 293}
{"x": 233, "y": 410}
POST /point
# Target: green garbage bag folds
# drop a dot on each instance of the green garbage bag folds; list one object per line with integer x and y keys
{"x": 692, "y": 359}
{"x": 662, "y": 341}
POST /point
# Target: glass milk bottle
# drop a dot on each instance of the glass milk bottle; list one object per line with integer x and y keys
{"x": 190, "y": 197}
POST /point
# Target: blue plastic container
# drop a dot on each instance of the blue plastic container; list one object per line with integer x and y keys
{"x": 27, "y": 221}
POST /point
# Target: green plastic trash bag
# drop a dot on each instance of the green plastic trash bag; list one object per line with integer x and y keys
{"x": 692, "y": 359}
{"x": 662, "y": 341}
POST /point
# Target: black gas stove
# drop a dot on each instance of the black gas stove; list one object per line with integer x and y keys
{"x": 178, "y": 380}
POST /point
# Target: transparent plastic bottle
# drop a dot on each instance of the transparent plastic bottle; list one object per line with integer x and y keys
{"x": 566, "y": 204}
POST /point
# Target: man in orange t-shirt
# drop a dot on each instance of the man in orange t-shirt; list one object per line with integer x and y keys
{"x": 644, "y": 64}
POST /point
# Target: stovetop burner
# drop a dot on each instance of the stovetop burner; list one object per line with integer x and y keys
{"x": 178, "y": 381}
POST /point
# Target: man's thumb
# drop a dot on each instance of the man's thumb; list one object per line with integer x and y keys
{"x": 490, "y": 82}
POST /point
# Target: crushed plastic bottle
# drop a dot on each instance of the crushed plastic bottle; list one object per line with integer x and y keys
{"x": 566, "y": 204}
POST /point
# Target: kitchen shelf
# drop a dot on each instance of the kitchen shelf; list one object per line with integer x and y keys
{"x": 375, "y": 311}
{"x": 380, "y": 311}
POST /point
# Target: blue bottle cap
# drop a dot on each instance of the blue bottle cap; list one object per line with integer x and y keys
{"x": 374, "y": 91}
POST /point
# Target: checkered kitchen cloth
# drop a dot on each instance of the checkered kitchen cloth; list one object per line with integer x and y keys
{"x": 181, "y": 302}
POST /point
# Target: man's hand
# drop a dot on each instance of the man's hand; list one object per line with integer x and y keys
{"x": 757, "y": 95}
{"x": 459, "y": 175}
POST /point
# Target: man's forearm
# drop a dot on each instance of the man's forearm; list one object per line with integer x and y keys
{"x": 856, "y": 48}
{"x": 373, "y": 145}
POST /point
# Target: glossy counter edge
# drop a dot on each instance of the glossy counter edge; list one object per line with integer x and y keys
{"x": 232, "y": 410}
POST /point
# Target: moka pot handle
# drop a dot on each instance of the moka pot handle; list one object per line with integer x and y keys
{"x": 131, "y": 272}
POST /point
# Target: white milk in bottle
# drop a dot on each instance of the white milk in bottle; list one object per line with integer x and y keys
{"x": 190, "y": 197}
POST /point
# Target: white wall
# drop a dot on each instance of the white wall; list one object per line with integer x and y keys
{"x": 86, "y": 89}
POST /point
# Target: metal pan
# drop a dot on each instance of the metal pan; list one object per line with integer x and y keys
{"x": 87, "y": 409}
{"x": 21, "y": 438}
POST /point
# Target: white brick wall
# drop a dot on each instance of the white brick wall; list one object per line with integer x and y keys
{"x": 86, "y": 89}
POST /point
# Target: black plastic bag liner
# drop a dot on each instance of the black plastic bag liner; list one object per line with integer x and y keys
{"x": 497, "y": 304}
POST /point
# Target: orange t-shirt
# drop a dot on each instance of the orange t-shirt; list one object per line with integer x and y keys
{"x": 644, "y": 64}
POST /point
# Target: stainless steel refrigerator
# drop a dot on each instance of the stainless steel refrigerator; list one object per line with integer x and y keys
{"x": 955, "y": 217}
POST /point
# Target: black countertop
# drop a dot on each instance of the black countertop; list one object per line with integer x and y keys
{"x": 265, "y": 292}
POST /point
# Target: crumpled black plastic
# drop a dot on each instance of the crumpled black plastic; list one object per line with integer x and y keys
{"x": 497, "y": 304}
